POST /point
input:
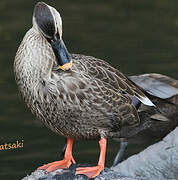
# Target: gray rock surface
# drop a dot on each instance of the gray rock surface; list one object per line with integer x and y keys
{"x": 157, "y": 162}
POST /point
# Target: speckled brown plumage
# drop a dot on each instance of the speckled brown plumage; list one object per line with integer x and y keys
{"x": 89, "y": 101}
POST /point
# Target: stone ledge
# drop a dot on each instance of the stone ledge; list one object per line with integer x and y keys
{"x": 157, "y": 162}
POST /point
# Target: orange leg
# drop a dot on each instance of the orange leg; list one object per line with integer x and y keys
{"x": 92, "y": 172}
{"x": 65, "y": 163}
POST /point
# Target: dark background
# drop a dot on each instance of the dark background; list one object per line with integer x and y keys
{"x": 134, "y": 36}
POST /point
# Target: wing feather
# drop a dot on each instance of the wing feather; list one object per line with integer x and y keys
{"x": 111, "y": 77}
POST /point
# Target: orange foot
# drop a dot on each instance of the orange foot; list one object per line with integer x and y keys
{"x": 65, "y": 163}
{"x": 91, "y": 172}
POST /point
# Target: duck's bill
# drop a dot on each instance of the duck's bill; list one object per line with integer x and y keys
{"x": 63, "y": 57}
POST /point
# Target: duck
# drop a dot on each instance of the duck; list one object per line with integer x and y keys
{"x": 155, "y": 123}
{"x": 78, "y": 97}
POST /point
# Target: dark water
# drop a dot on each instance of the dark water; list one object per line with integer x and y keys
{"x": 135, "y": 36}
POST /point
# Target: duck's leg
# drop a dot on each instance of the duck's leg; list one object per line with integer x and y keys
{"x": 65, "y": 163}
{"x": 120, "y": 155}
{"x": 92, "y": 172}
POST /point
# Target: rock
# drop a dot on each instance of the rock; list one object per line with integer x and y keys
{"x": 157, "y": 162}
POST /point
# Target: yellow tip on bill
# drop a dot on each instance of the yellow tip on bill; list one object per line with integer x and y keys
{"x": 66, "y": 66}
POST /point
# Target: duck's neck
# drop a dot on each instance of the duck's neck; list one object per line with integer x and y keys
{"x": 33, "y": 61}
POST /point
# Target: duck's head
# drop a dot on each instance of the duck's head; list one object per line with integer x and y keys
{"x": 48, "y": 22}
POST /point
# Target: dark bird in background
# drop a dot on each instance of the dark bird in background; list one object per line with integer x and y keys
{"x": 155, "y": 123}
{"x": 79, "y": 97}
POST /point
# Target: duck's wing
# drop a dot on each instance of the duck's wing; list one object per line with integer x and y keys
{"x": 156, "y": 84}
{"x": 94, "y": 96}
{"x": 111, "y": 77}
